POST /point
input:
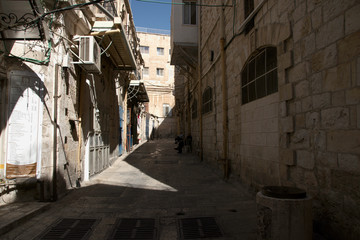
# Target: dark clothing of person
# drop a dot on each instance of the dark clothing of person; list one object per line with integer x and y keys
{"x": 188, "y": 143}
{"x": 179, "y": 140}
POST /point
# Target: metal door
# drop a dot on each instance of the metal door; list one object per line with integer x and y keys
{"x": 98, "y": 152}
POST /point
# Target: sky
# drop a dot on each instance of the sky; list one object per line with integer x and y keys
{"x": 151, "y": 15}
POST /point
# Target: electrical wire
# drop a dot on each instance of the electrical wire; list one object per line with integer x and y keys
{"x": 184, "y": 3}
{"x": 47, "y": 52}
{"x": 37, "y": 20}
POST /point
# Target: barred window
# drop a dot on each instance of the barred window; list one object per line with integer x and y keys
{"x": 259, "y": 76}
{"x": 207, "y": 100}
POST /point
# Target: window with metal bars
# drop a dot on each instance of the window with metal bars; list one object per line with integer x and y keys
{"x": 207, "y": 100}
{"x": 259, "y": 75}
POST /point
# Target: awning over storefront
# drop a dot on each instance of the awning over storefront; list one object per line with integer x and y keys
{"x": 137, "y": 90}
{"x": 115, "y": 43}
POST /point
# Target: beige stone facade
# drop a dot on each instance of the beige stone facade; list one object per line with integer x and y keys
{"x": 305, "y": 133}
{"x": 158, "y": 76}
{"x": 59, "y": 113}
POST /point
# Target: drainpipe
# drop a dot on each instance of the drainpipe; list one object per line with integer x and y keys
{"x": 200, "y": 84}
{"x": 224, "y": 96}
{"x": 188, "y": 120}
{"x": 78, "y": 168}
{"x": 55, "y": 124}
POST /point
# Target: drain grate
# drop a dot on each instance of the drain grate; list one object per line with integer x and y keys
{"x": 135, "y": 228}
{"x": 203, "y": 227}
{"x": 69, "y": 228}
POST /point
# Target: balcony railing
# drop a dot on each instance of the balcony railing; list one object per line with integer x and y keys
{"x": 111, "y": 7}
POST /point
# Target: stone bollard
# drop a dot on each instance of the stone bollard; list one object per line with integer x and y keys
{"x": 284, "y": 213}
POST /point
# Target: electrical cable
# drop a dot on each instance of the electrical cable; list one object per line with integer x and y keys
{"x": 184, "y": 3}
{"x": 37, "y": 20}
{"x": 47, "y": 52}
{"x": 67, "y": 39}
{"x": 104, "y": 51}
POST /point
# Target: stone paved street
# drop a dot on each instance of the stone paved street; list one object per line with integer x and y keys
{"x": 154, "y": 182}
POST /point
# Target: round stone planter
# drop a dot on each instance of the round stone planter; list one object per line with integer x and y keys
{"x": 284, "y": 213}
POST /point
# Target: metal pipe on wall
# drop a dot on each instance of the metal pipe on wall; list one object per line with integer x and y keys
{"x": 224, "y": 96}
{"x": 78, "y": 166}
{"x": 200, "y": 84}
{"x": 55, "y": 125}
{"x": 188, "y": 110}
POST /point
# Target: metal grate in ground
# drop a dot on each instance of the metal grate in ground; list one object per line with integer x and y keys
{"x": 201, "y": 227}
{"x": 69, "y": 228}
{"x": 135, "y": 228}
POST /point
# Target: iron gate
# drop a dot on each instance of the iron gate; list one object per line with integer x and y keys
{"x": 98, "y": 153}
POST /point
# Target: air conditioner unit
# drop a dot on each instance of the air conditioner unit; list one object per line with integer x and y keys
{"x": 89, "y": 54}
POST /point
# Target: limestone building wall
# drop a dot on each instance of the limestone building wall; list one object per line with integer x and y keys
{"x": 159, "y": 80}
{"x": 306, "y": 134}
{"x": 77, "y": 111}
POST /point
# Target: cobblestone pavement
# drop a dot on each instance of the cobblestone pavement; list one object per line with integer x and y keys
{"x": 156, "y": 191}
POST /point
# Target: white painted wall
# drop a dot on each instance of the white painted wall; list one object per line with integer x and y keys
{"x": 182, "y": 33}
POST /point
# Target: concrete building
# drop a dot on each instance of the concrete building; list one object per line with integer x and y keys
{"x": 273, "y": 97}
{"x": 158, "y": 76}
{"x": 66, "y": 68}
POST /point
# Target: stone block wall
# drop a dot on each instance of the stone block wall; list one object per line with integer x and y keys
{"x": 72, "y": 95}
{"x": 259, "y": 142}
{"x": 159, "y": 88}
{"x": 323, "y": 109}
{"x": 306, "y": 134}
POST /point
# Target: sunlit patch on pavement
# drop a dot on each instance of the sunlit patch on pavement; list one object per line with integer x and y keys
{"x": 126, "y": 175}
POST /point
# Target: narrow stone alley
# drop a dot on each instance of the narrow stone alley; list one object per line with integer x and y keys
{"x": 153, "y": 193}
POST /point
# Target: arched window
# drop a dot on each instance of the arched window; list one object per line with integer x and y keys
{"x": 259, "y": 76}
{"x": 207, "y": 100}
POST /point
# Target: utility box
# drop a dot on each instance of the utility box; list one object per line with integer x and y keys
{"x": 284, "y": 213}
